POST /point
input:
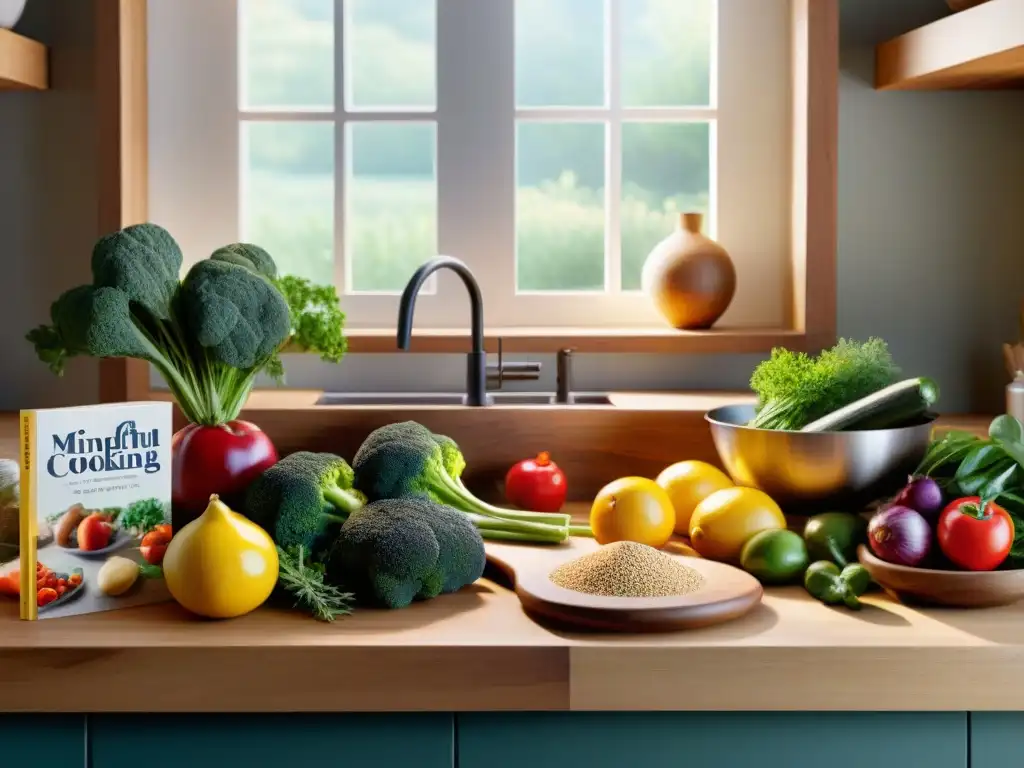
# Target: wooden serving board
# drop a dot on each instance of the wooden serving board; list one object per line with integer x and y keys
{"x": 728, "y": 592}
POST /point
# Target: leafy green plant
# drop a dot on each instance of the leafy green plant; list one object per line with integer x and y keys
{"x": 991, "y": 468}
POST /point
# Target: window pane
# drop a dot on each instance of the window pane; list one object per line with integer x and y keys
{"x": 666, "y": 52}
{"x": 560, "y": 53}
{"x": 391, "y": 225}
{"x": 391, "y": 54}
{"x": 288, "y": 54}
{"x": 666, "y": 170}
{"x": 560, "y": 207}
{"x": 288, "y": 195}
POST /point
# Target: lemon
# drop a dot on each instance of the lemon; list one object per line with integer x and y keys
{"x": 632, "y": 509}
{"x": 725, "y": 520}
{"x": 688, "y": 483}
{"x": 220, "y": 565}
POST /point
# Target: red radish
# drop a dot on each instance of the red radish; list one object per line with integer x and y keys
{"x": 221, "y": 459}
{"x": 536, "y": 484}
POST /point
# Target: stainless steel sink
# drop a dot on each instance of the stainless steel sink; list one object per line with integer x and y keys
{"x": 454, "y": 398}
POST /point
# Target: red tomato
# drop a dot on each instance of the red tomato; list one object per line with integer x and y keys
{"x": 46, "y": 595}
{"x": 94, "y": 532}
{"x": 536, "y": 484}
{"x": 972, "y": 538}
{"x": 154, "y": 545}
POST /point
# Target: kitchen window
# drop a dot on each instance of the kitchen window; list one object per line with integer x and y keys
{"x": 548, "y": 143}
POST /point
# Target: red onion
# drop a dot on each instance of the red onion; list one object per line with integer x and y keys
{"x": 921, "y": 494}
{"x": 900, "y": 535}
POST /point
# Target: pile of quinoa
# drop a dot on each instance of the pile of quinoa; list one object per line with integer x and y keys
{"x": 628, "y": 569}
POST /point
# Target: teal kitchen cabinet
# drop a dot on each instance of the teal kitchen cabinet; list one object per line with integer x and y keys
{"x": 713, "y": 740}
{"x": 997, "y": 739}
{"x": 42, "y": 741}
{"x": 281, "y": 741}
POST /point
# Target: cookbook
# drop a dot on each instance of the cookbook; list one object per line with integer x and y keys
{"x": 95, "y": 508}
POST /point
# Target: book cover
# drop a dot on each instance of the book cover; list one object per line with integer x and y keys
{"x": 95, "y": 508}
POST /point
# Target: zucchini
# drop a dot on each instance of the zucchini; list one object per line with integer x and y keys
{"x": 892, "y": 406}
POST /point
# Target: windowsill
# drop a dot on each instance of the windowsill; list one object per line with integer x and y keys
{"x": 593, "y": 340}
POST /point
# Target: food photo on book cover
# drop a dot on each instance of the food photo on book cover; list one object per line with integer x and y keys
{"x": 95, "y": 502}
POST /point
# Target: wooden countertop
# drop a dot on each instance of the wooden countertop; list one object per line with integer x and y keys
{"x": 477, "y": 650}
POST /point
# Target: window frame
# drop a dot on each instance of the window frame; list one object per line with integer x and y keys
{"x": 810, "y": 323}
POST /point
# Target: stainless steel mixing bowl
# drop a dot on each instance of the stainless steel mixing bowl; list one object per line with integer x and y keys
{"x": 808, "y": 471}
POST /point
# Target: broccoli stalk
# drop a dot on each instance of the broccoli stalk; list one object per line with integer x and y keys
{"x": 406, "y": 459}
{"x": 208, "y": 335}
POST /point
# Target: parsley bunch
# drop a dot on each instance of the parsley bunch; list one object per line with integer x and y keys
{"x": 318, "y": 324}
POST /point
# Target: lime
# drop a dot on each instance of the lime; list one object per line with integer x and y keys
{"x": 775, "y": 556}
{"x": 834, "y": 536}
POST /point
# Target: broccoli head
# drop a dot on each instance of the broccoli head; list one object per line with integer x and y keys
{"x": 303, "y": 499}
{"x": 252, "y": 257}
{"x": 405, "y": 459}
{"x": 144, "y": 262}
{"x": 209, "y": 336}
{"x": 236, "y": 314}
{"x": 90, "y": 321}
{"x": 394, "y": 551}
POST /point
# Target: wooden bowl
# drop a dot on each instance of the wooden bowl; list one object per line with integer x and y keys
{"x": 958, "y": 589}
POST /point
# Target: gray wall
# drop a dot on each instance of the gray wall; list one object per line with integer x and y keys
{"x": 931, "y": 235}
{"x": 48, "y": 205}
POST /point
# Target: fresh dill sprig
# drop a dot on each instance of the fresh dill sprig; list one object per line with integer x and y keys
{"x": 793, "y": 389}
{"x": 304, "y": 581}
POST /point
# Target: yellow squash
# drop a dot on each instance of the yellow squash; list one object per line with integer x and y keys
{"x": 725, "y": 521}
{"x": 220, "y": 565}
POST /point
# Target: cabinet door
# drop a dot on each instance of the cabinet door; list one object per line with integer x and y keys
{"x": 42, "y": 741}
{"x": 323, "y": 741}
{"x": 997, "y": 739}
{"x": 712, "y": 740}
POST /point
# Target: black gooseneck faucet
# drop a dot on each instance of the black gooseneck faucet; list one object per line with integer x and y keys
{"x": 476, "y": 360}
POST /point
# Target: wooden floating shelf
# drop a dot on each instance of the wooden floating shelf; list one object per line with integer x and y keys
{"x": 23, "y": 63}
{"x": 981, "y": 48}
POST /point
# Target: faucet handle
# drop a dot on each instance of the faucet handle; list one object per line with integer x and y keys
{"x": 512, "y": 371}
{"x": 563, "y": 380}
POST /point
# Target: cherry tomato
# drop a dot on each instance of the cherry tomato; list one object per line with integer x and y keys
{"x": 46, "y": 595}
{"x": 10, "y": 584}
{"x": 973, "y": 538}
{"x": 154, "y": 545}
{"x": 536, "y": 484}
{"x": 75, "y": 579}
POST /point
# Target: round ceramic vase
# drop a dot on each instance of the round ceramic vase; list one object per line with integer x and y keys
{"x": 689, "y": 278}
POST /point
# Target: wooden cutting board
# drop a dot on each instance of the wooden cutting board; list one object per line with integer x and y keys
{"x": 727, "y": 592}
